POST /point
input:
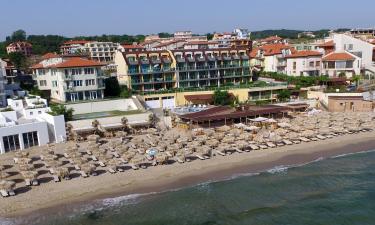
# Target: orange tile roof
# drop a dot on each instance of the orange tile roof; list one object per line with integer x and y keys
{"x": 338, "y": 56}
{"x": 50, "y": 55}
{"x": 271, "y": 38}
{"x": 303, "y": 54}
{"x": 71, "y": 62}
{"x": 327, "y": 44}
{"x": 274, "y": 49}
{"x": 20, "y": 44}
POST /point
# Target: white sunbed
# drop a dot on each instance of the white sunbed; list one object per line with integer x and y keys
{"x": 304, "y": 139}
{"x": 4, "y": 193}
{"x": 263, "y": 146}
{"x": 254, "y": 147}
{"x": 321, "y": 137}
{"x": 287, "y": 142}
{"x": 271, "y": 145}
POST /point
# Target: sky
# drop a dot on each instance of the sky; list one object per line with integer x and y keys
{"x": 95, "y": 17}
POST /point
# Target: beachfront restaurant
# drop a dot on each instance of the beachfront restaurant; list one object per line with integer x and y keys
{"x": 225, "y": 115}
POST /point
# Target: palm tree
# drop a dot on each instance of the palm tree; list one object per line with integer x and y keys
{"x": 356, "y": 79}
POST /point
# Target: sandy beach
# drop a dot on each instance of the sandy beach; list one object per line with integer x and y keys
{"x": 50, "y": 195}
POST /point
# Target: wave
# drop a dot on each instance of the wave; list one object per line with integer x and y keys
{"x": 353, "y": 153}
{"x": 5, "y": 221}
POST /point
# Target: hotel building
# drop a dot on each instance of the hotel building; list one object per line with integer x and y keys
{"x": 69, "y": 79}
{"x": 194, "y": 68}
{"x": 101, "y": 51}
{"x": 21, "y": 47}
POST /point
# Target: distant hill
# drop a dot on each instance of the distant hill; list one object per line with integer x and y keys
{"x": 290, "y": 34}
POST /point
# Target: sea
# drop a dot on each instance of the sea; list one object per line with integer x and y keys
{"x": 338, "y": 190}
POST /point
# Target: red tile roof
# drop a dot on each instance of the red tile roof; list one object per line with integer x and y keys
{"x": 71, "y": 62}
{"x": 271, "y": 38}
{"x": 274, "y": 49}
{"x": 20, "y": 44}
{"x": 303, "y": 54}
{"x": 50, "y": 55}
{"x": 328, "y": 44}
{"x": 338, "y": 56}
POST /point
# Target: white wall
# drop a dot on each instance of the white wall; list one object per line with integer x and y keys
{"x": 103, "y": 106}
{"x": 56, "y": 127}
{"x": 323, "y": 97}
{"x": 40, "y": 127}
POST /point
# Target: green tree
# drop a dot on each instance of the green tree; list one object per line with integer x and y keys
{"x": 18, "y": 59}
{"x": 283, "y": 95}
{"x": 57, "y": 109}
{"x": 222, "y": 97}
{"x": 18, "y": 35}
{"x": 342, "y": 74}
{"x": 356, "y": 79}
{"x": 112, "y": 87}
{"x": 125, "y": 92}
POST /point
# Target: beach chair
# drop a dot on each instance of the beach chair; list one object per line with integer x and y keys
{"x": 270, "y": 144}
{"x": 4, "y": 193}
{"x": 287, "y": 142}
{"x": 111, "y": 170}
{"x": 304, "y": 139}
{"x": 314, "y": 139}
{"x": 254, "y": 147}
{"x": 94, "y": 158}
{"x": 199, "y": 156}
{"x": 280, "y": 144}
{"x": 321, "y": 137}
{"x": 102, "y": 164}
{"x": 35, "y": 182}
{"x": 263, "y": 146}
{"x": 296, "y": 141}
{"x": 220, "y": 152}
{"x": 27, "y": 182}
{"x": 11, "y": 193}
{"x": 329, "y": 136}
{"x": 56, "y": 178}
{"x": 83, "y": 174}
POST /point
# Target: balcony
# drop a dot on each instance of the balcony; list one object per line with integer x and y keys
{"x": 155, "y": 61}
{"x": 211, "y": 58}
{"x": 281, "y": 64}
{"x": 190, "y": 59}
{"x": 201, "y": 59}
{"x": 167, "y": 60}
{"x": 145, "y": 61}
{"x": 235, "y": 57}
{"x": 227, "y": 58}
{"x": 245, "y": 57}
{"x": 181, "y": 60}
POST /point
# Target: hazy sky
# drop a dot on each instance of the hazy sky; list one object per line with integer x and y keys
{"x": 96, "y": 17}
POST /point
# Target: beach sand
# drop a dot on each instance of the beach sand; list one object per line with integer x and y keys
{"x": 50, "y": 195}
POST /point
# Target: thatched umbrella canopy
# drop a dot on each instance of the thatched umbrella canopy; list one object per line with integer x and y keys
{"x": 209, "y": 132}
{"x": 292, "y": 135}
{"x": 280, "y": 131}
{"x": 308, "y": 133}
{"x": 128, "y": 155}
{"x": 21, "y": 154}
{"x": 212, "y": 143}
{"x": 138, "y": 159}
{"x": 53, "y": 163}
{"x": 161, "y": 158}
{"x": 235, "y": 132}
{"x": 24, "y": 161}
{"x": 29, "y": 174}
{"x": 228, "y": 139}
{"x": 284, "y": 120}
{"x": 324, "y": 130}
{"x": 296, "y": 128}
{"x": 252, "y": 128}
{"x": 7, "y": 185}
{"x": 88, "y": 168}
{"x": 259, "y": 138}
{"x": 114, "y": 163}
{"x": 26, "y": 167}
{"x": 219, "y": 136}
{"x": 79, "y": 161}
{"x": 206, "y": 150}
{"x": 284, "y": 125}
{"x": 223, "y": 129}
{"x": 241, "y": 144}
{"x": 275, "y": 137}
{"x": 93, "y": 138}
{"x": 50, "y": 157}
{"x": 62, "y": 172}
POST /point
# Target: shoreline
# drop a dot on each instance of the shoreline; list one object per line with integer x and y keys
{"x": 51, "y": 197}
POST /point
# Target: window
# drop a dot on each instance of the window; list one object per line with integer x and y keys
{"x": 294, "y": 65}
{"x": 66, "y": 72}
{"x": 317, "y": 63}
{"x": 90, "y": 82}
{"x": 30, "y": 139}
{"x": 42, "y": 72}
{"x": 11, "y": 143}
{"x": 54, "y": 83}
{"x": 39, "y": 112}
{"x": 31, "y": 113}
{"x": 89, "y": 70}
{"x": 42, "y": 83}
{"x": 53, "y": 72}
{"x": 77, "y": 83}
{"x": 76, "y": 71}
{"x": 311, "y": 64}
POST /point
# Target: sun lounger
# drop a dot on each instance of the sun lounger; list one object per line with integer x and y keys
{"x": 134, "y": 167}
{"x": 263, "y": 146}
{"x": 4, "y": 193}
{"x": 304, "y": 139}
{"x": 238, "y": 150}
{"x": 94, "y": 158}
{"x": 321, "y": 137}
{"x": 287, "y": 142}
{"x": 271, "y": 145}
{"x": 296, "y": 141}
{"x": 314, "y": 139}
{"x": 329, "y": 136}
{"x": 15, "y": 160}
{"x": 51, "y": 170}
{"x": 35, "y": 182}
{"x": 115, "y": 154}
{"x": 11, "y": 193}
{"x": 220, "y": 152}
{"x": 254, "y": 147}
{"x": 94, "y": 173}
{"x": 77, "y": 167}
{"x": 66, "y": 155}
{"x": 111, "y": 170}
{"x": 56, "y": 178}
{"x": 27, "y": 182}
{"x": 83, "y": 174}
{"x": 101, "y": 164}
{"x": 120, "y": 169}
{"x": 280, "y": 144}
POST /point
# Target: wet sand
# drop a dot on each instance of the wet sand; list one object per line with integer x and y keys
{"x": 54, "y": 196}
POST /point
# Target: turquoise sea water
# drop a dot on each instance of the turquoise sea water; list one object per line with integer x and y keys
{"x": 338, "y": 190}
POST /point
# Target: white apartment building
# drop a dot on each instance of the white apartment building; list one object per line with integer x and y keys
{"x": 2, "y": 84}
{"x": 70, "y": 79}
{"x": 304, "y": 63}
{"x": 337, "y": 63}
{"x": 26, "y": 123}
{"x": 357, "y": 47}
{"x": 271, "y": 57}
{"x": 101, "y": 51}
